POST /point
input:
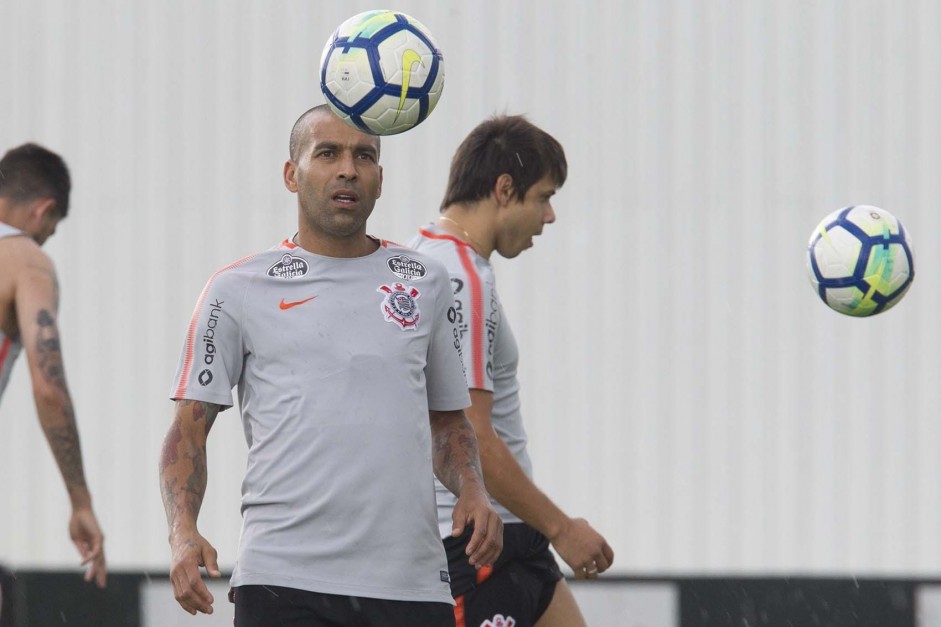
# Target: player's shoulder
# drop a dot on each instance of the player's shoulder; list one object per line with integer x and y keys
{"x": 21, "y": 242}
{"x": 435, "y": 241}
{"x": 22, "y": 251}
{"x": 461, "y": 260}
{"x": 411, "y": 263}
{"x": 275, "y": 259}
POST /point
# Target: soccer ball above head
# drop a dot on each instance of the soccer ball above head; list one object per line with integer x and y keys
{"x": 860, "y": 260}
{"x": 381, "y": 72}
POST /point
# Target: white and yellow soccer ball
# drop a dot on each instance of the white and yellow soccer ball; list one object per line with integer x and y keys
{"x": 382, "y": 72}
{"x": 860, "y": 260}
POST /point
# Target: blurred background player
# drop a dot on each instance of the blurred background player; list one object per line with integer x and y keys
{"x": 34, "y": 197}
{"x": 351, "y": 391}
{"x": 502, "y": 179}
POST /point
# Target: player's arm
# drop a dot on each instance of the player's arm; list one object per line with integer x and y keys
{"x": 37, "y": 303}
{"x": 183, "y": 479}
{"x": 582, "y": 548}
{"x": 457, "y": 466}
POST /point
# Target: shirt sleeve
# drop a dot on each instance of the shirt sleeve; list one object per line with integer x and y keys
{"x": 444, "y": 371}
{"x": 211, "y": 360}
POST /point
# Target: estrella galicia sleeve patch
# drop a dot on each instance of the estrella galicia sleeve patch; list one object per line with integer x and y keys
{"x": 406, "y": 268}
{"x": 289, "y": 267}
{"x": 400, "y": 305}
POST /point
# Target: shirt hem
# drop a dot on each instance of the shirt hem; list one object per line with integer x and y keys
{"x": 329, "y": 587}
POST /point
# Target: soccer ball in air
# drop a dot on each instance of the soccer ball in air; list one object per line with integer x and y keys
{"x": 860, "y": 260}
{"x": 381, "y": 72}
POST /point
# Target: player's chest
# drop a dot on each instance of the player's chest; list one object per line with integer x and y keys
{"x": 338, "y": 315}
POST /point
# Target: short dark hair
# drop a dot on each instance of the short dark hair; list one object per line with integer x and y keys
{"x": 298, "y": 135}
{"x": 30, "y": 171}
{"x": 503, "y": 144}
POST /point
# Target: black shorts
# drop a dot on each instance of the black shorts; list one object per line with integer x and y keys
{"x": 276, "y": 606}
{"x": 519, "y": 586}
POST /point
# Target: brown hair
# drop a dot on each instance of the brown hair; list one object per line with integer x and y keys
{"x": 503, "y": 144}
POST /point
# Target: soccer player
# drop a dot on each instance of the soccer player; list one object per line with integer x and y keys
{"x": 351, "y": 391}
{"x": 34, "y": 197}
{"x": 498, "y": 198}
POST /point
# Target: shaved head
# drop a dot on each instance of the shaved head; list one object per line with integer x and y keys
{"x": 300, "y": 132}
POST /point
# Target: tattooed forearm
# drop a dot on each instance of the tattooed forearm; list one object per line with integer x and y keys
{"x": 455, "y": 451}
{"x": 68, "y": 453}
{"x": 56, "y": 413}
{"x": 183, "y": 485}
{"x": 182, "y": 504}
{"x": 196, "y": 481}
{"x": 183, "y": 474}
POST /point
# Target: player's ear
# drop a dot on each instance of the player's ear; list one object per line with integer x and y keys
{"x": 379, "y": 191}
{"x": 42, "y": 209}
{"x": 290, "y": 176}
{"x": 503, "y": 190}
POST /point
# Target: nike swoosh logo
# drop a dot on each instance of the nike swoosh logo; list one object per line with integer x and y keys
{"x": 409, "y": 58}
{"x": 286, "y": 305}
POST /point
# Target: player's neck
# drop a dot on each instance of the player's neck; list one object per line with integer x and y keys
{"x": 17, "y": 216}
{"x": 358, "y": 245}
{"x": 9, "y": 215}
{"x": 473, "y": 225}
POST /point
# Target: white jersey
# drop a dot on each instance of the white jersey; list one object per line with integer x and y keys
{"x": 10, "y": 346}
{"x": 488, "y": 347}
{"x": 337, "y": 363}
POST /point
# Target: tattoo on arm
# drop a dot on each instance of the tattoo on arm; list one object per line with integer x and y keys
{"x": 63, "y": 437}
{"x": 49, "y": 350}
{"x": 68, "y": 453}
{"x": 455, "y": 452}
{"x": 204, "y": 411}
{"x": 183, "y": 470}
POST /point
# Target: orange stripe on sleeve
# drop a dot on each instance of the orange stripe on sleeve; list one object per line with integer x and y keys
{"x": 191, "y": 330}
{"x": 478, "y": 337}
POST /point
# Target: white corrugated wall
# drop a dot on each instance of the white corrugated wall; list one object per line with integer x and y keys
{"x": 684, "y": 388}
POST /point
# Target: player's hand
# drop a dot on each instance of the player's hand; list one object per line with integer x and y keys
{"x": 88, "y": 539}
{"x": 473, "y": 508}
{"x": 585, "y": 550}
{"x": 189, "y": 552}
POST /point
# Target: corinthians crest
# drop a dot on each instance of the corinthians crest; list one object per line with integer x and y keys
{"x": 399, "y": 305}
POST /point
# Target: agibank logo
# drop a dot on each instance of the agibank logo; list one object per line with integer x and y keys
{"x": 209, "y": 344}
{"x": 499, "y": 621}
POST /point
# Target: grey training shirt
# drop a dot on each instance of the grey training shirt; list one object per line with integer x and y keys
{"x": 337, "y": 362}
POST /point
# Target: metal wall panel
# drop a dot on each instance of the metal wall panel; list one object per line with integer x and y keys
{"x": 683, "y": 387}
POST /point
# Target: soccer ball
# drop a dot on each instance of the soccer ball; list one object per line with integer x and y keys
{"x": 381, "y": 72}
{"x": 860, "y": 260}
